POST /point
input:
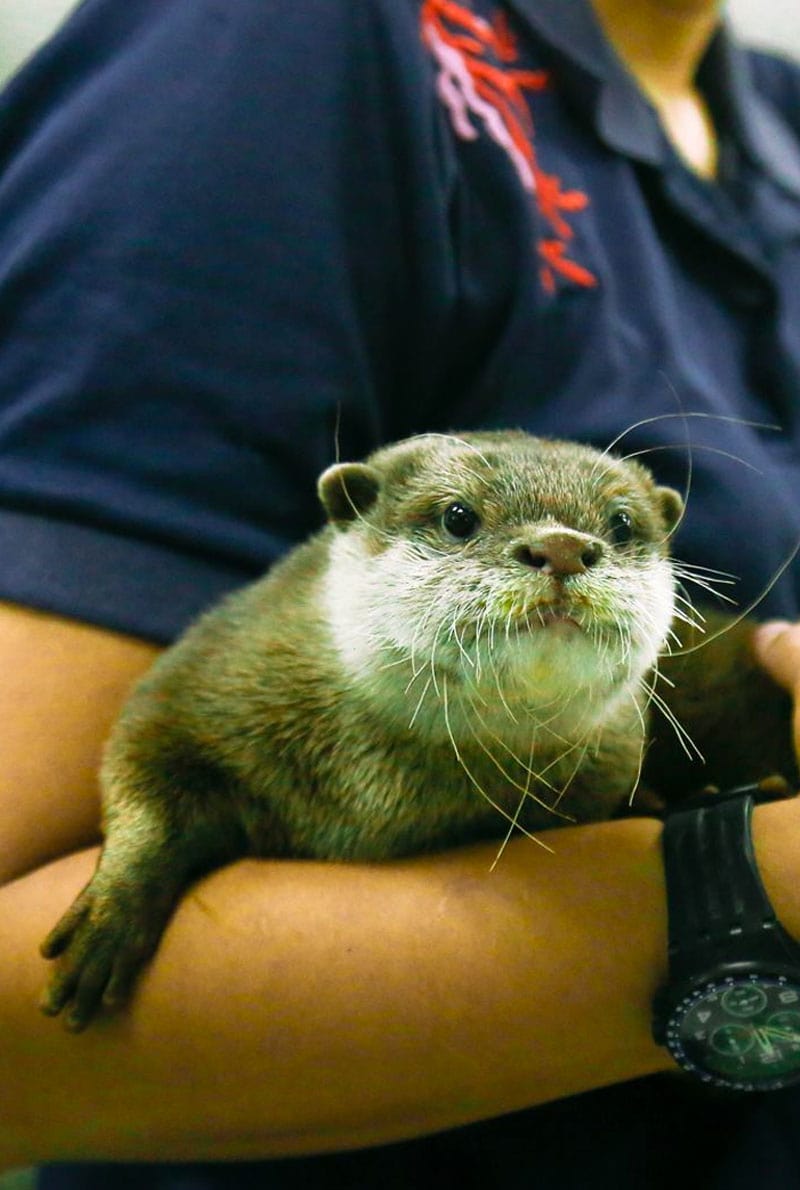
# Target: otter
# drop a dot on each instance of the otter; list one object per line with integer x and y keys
{"x": 467, "y": 648}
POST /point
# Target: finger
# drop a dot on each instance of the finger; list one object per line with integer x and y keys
{"x": 777, "y": 648}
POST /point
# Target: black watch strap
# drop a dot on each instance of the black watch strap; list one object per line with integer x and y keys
{"x": 714, "y": 892}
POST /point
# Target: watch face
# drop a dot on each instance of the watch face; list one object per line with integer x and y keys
{"x": 740, "y": 1032}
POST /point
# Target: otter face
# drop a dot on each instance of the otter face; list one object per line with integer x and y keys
{"x": 515, "y": 568}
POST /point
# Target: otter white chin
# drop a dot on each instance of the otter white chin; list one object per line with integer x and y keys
{"x": 467, "y": 646}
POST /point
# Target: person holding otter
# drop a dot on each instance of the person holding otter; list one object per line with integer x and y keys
{"x": 237, "y": 243}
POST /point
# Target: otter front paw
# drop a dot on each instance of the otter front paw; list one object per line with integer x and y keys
{"x": 101, "y": 943}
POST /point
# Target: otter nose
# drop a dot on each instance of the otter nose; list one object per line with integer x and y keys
{"x": 559, "y": 553}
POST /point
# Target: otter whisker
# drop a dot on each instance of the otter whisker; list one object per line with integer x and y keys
{"x": 495, "y": 805}
{"x": 501, "y": 695}
{"x": 581, "y": 743}
{"x": 688, "y": 445}
{"x": 662, "y": 677}
{"x": 581, "y": 757}
{"x": 498, "y": 685}
{"x": 626, "y": 643}
{"x": 480, "y": 622}
{"x": 685, "y": 608}
{"x": 454, "y": 635}
{"x": 673, "y": 645}
{"x": 515, "y": 821}
{"x": 511, "y": 623}
{"x": 686, "y": 613}
{"x": 432, "y": 665}
{"x": 704, "y": 584}
{"x": 642, "y": 747}
{"x": 684, "y": 739}
{"x": 455, "y": 440}
{"x": 672, "y": 639}
{"x": 415, "y": 673}
{"x": 402, "y": 660}
{"x": 698, "y": 568}
{"x": 700, "y": 414}
{"x": 716, "y": 450}
{"x": 514, "y": 825}
{"x": 419, "y": 704}
{"x": 435, "y": 635}
{"x": 531, "y": 775}
{"x": 510, "y": 779}
{"x": 747, "y": 610}
{"x": 505, "y": 747}
{"x": 561, "y": 703}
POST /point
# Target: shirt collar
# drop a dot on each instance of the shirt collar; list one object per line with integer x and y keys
{"x": 623, "y": 118}
{"x": 727, "y": 74}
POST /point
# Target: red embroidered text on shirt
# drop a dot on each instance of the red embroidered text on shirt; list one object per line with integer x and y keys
{"x": 472, "y": 87}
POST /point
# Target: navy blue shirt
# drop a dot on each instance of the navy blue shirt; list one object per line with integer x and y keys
{"x": 230, "y": 232}
{"x": 238, "y": 236}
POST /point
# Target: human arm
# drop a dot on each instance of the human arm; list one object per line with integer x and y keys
{"x": 63, "y": 683}
{"x": 296, "y": 1007}
{"x": 302, "y": 1007}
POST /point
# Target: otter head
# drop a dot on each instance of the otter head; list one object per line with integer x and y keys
{"x": 502, "y": 566}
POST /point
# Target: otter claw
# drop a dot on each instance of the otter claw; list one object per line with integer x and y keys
{"x": 61, "y": 934}
{"x": 101, "y": 943}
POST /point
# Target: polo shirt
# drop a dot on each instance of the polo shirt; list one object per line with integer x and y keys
{"x": 241, "y": 238}
{"x": 238, "y": 236}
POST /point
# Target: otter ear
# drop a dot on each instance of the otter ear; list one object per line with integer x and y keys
{"x": 347, "y": 491}
{"x": 671, "y": 504}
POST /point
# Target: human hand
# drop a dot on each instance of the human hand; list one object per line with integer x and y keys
{"x": 777, "y": 649}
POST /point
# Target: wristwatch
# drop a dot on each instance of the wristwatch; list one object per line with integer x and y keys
{"x": 729, "y": 1013}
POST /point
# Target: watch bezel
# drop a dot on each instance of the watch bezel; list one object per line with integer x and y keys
{"x": 673, "y": 1005}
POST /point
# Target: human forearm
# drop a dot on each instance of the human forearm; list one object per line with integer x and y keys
{"x": 302, "y": 1007}
{"x": 63, "y": 683}
{"x": 298, "y": 1008}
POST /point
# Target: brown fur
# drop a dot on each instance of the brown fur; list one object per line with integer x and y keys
{"x": 256, "y": 735}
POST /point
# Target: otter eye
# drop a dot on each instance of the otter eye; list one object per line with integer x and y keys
{"x": 620, "y": 525}
{"x": 460, "y": 521}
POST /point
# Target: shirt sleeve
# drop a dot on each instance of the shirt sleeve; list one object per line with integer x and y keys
{"x": 208, "y": 239}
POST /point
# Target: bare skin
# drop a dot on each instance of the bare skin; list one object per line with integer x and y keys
{"x": 662, "y": 43}
{"x": 415, "y": 968}
{"x": 376, "y": 1004}
{"x": 778, "y": 650}
{"x": 71, "y": 679}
